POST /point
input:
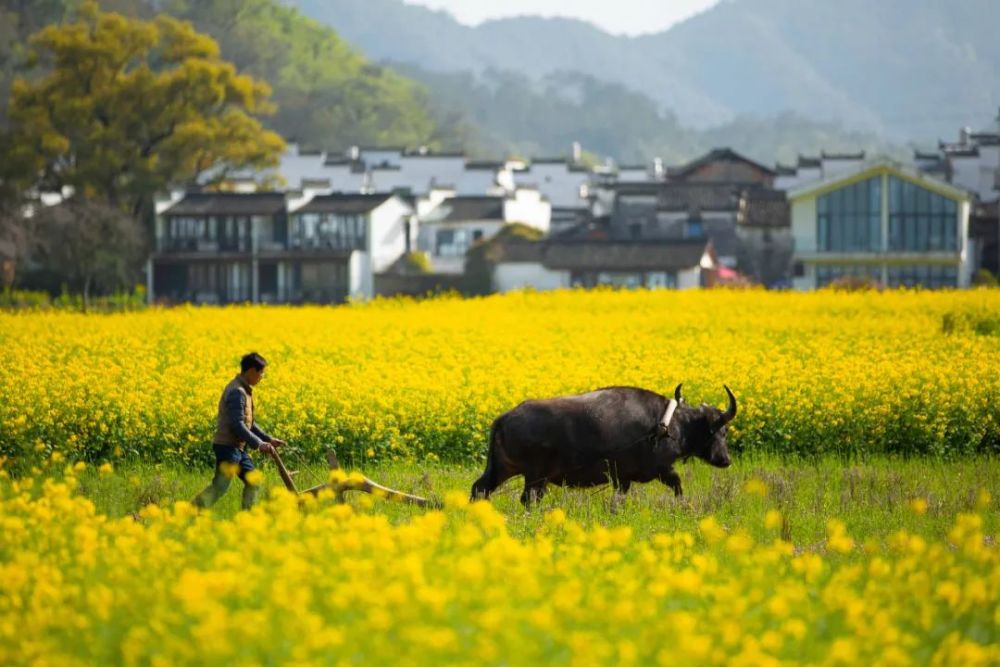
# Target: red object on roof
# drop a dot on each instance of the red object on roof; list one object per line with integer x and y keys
{"x": 725, "y": 273}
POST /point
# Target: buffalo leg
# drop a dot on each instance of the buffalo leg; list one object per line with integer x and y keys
{"x": 534, "y": 489}
{"x": 673, "y": 480}
{"x": 621, "y": 486}
{"x": 483, "y": 487}
{"x": 490, "y": 481}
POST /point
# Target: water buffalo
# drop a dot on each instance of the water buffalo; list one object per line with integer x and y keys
{"x": 616, "y": 434}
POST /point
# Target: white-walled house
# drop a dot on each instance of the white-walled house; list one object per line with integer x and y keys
{"x": 562, "y": 181}
{"x": 374, "y": 230}
{"x": 811, "y": 169}
{"x": 381, "y": 169}
{"x": 276, "y": 247}
{"x": 884, "y": 221}
{"x": 559, "y": 263}
{"x": 454, "y": 224}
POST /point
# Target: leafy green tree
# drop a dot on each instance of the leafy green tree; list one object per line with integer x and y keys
{"x": 128, "y": 107}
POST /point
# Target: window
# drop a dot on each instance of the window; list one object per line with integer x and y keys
{"x": 661, "y": 279}
{"x": 329, "y": 230}
{"x": 452, "y": 242}
{"x": 323, "y": 277}
{"x": 616, "y": 279}
{"x": 923, "y": 275}
{"x": 850, "y": 219}
{"x": 920, "y": 220}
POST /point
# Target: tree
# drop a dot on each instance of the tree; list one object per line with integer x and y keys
{"x": 129, "y": 107}
{"x": 330, "y": 95}
{"x": 90, "y": 245}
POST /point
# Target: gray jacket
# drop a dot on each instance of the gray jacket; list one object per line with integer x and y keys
{"x": 234, "y": 425}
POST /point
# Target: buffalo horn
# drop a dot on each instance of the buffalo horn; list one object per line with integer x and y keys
{"x": 677, "y": 393}
{"x": 731, "y": 410}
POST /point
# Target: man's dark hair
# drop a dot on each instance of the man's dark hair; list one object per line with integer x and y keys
{"x": 252, "y": 360}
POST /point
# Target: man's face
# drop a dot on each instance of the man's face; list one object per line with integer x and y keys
{"x": 253, "y": 376}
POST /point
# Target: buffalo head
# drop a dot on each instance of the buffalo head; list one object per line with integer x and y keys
{"x": 699, "y": 431}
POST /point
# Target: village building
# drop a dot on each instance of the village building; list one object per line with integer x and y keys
{"x": 883, "y": 221}
{"x": 560, "y": 263}
{"x": 450, "y": 228}
{"x": 275, "y": 248}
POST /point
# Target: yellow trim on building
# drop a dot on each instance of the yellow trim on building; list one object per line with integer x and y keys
{"x": 879, "y": 169}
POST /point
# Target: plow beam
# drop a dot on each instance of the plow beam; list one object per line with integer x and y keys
{"x": 364, "y": 485}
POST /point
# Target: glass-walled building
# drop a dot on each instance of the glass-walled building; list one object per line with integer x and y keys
{"x": 884, "y": 223}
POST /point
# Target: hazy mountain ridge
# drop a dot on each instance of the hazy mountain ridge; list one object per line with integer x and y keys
{"x": 865, "y": 65}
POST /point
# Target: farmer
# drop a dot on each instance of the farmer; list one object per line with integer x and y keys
{"x": 235, "y": 430}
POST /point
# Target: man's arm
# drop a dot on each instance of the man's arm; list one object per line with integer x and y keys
{"x": 236, "y": 403}
{"x": 259, "y": 432}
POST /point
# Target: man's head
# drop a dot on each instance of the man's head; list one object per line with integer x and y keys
{"x": 252, "y": 368}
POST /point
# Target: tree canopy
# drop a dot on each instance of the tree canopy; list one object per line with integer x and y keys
{"x": 127, "y": 107}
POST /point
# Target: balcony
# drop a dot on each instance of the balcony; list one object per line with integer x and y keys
{"x": 201, "y": 245}
{"x": 326, "y": 243}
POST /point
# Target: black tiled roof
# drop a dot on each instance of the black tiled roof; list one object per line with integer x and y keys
{"x": 228, "y": 203}
{"x": 860, "y": 155}
{"x": 957, "y": 150}
{"x": 433, "y": 154}
{"x": 985, "y": 138}
{"x": 697, "y": 196}
{"x": 717, "y": 155}
{"x": 472, "y": 208}
{"x": 484, "y": 164}
{"x": 809, "y": 162}
{"x": 520, "y": 251}
{"x": 345, "y": 203}
{"x": 357, "y": 166}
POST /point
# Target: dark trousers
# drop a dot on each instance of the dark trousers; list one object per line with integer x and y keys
{"x": 229, "y": 462}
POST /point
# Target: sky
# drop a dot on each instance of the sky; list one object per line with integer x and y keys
{"x": 620, "y": 17}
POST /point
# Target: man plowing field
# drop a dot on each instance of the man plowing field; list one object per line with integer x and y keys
{"x": 236, "y": 431}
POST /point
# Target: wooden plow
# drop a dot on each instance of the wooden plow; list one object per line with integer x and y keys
{"x": 351, "y": 483}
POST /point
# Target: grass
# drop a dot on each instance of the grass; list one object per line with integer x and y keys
{"x": 874, "y": 498}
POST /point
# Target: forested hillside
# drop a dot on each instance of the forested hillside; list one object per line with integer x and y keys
{"x": 326, "y": 93}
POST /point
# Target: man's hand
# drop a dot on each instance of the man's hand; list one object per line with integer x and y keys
{"x": 266, "y": 448}
{"x": 275, "y": 442}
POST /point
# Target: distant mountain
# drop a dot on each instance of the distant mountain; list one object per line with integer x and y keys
{"x": 511, "y": 113}
{"x": 908, "y": 69}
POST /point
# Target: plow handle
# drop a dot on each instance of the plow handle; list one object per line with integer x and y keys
{"x": 283, "y": 471}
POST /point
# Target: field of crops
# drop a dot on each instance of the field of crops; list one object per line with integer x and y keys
{"x": 858, "y": 524}
{"x": 816, "y": 373}
{"x": 333, "y": 584}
